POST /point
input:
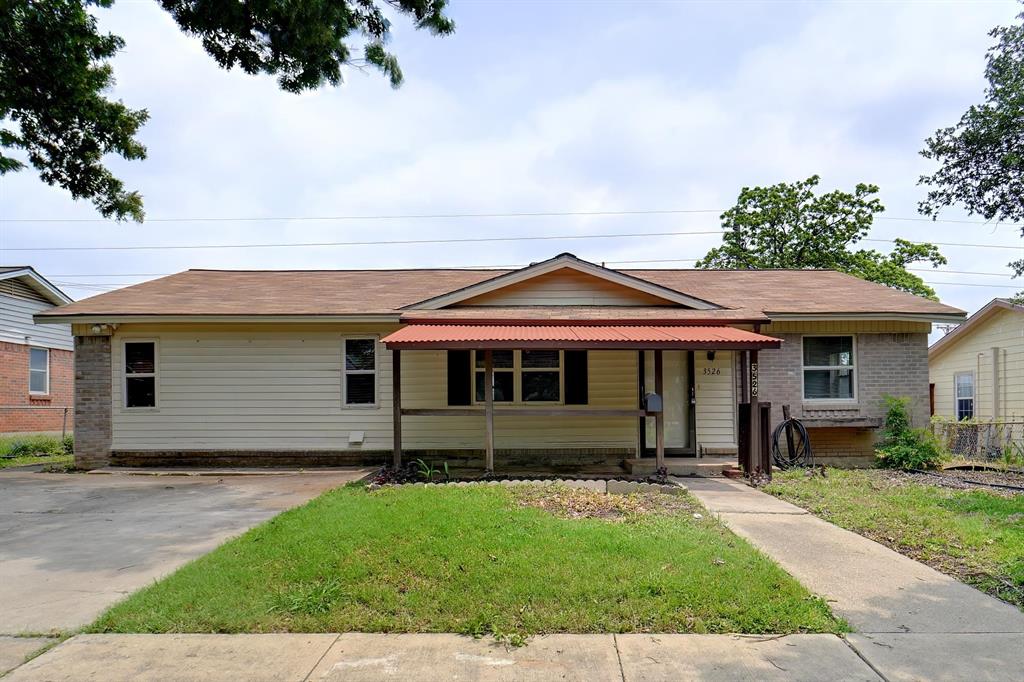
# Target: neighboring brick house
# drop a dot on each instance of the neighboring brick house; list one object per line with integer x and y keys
{"x": 36, "y": 361}
{"x": 547, "y": 365}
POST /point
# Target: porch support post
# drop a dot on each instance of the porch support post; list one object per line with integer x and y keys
{"x": 659, "y": 417}
{"x": 641, "y": 422}
{"x": 489, "y": 411}
{"x": 396, "y": 407}
{"x": 755, "y": 418}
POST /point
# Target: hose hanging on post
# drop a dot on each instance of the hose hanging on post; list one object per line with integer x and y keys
{"x": 797, "y": 451}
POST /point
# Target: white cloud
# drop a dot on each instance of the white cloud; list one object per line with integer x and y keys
{"x": 848, "y": 90}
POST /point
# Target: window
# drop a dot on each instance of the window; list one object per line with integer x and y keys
{"x": 38, "y": 371}
{"x": 829, "y": 372}
{"x": 139, "y": 374}
{"x": 360, "y": 381}
{"x": 504, "y": 376}
{"x": 529, "y": 376}
{"x": 963, "y": 387}
{"x": 542, "y": 376}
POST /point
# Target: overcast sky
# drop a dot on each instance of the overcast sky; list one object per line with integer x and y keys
{"x": 531, "y": 107}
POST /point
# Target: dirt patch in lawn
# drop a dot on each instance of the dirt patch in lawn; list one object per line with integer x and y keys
{"x": 1002, "y": 483}
{"x": 580, "y": 503}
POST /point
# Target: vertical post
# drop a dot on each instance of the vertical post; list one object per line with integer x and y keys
{"x": 755, "y": 416}
{"x": 744, "y": 378}
{"x": 641, "y": 388}
{"x": 489, "y": 411}
{"x": 396, "y": 407}
{"x": 995, "y": 383}
{"x": 659, "y": 417}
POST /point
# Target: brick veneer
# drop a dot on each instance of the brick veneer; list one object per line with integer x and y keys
{"x": 93, "y": 408}
{"x": 15, "y": 396}
{"x": 886, "y": 364}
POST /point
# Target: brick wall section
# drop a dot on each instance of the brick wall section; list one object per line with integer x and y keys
{"x": 92, "y": 401}
{"x": 14, "y": 391}
{"x": 886, "y": 364}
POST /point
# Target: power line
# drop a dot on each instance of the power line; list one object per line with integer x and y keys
{"x": 410, "y": 216}
{"x": 379, "y": 242}
{"x": 459, "y": 240}
{"x": 463, "y": 215}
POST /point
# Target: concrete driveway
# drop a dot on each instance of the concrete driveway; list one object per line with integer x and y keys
{"x": 73, "y": 544}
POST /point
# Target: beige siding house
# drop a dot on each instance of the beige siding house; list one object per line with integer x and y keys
{"x": 555, "y": 363}
{"x": 977, "y": 370}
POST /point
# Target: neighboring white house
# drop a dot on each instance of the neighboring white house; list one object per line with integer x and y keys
{"x": 977, "y": 370}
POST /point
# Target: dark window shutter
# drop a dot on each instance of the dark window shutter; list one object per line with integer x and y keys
{"x": 576, "y": 379}
{"x": 459, "y": 379}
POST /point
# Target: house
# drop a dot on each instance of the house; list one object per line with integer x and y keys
{"x": 550, "y": 364}
{"x": 976, "y": 370}
{"x": 35, "y": 360}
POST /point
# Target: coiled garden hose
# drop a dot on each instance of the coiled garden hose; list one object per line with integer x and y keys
{"x": 791, "y": 446}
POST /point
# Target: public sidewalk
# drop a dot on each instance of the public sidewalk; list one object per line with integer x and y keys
{"x": 370, "y": 657}
{"x": 911, "y": 622}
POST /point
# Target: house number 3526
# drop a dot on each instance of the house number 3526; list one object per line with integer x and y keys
{"x": 712, "y": 371}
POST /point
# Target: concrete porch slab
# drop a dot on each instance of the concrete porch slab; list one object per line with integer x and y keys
{"x": 682, "y": 466}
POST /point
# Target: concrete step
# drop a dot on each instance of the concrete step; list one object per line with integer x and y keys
{"x": 682, "y": 466}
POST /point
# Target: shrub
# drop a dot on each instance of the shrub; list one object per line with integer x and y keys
{"x": 30, "y": 445}
{"x": 903, "y": 447}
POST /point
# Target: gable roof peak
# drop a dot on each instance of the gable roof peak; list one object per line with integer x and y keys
{"x": 570, "y": 261}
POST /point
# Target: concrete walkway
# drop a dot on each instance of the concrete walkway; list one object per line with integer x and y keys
{"x": 911, "y": 622}
{"x": 368, "y": 657}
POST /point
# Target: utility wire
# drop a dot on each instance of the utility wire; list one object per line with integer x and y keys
{"x": 609, "y": 262}
{"x": 461, "y": 215}
{"x": 457, "y": 240}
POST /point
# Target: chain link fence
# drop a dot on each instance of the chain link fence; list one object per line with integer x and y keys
{"x": 982, "y": 439}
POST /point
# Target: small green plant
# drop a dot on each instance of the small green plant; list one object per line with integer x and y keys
{"x": 309, "y": 598}
{"x": 447, "y": 473}
{"x": 1012, "y": 456}
{"x": 904, "y": 447}
{"x": 426, "y": 470}
{"x": 31, "y": 445}
{"x": 67, "y": 444}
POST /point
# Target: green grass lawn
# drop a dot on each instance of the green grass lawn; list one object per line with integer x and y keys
{"x": 22, "y": 449}
{"x": 973, "y": 535}
{"x": 475, "y": 560}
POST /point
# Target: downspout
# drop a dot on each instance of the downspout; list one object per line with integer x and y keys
{"x": 995, "y": 383}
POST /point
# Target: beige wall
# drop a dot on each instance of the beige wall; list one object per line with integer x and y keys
{"x": 1004, "y": 330}
{"x": 276, "y": 387}
{"x": 566, "y": 287}
{"x": 279, "y": 387}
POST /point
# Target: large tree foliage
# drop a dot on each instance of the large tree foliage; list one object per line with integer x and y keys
{"x": 54, "y": 72}
{"x": 981, "y": 158}
{"x": 789, "y": 226}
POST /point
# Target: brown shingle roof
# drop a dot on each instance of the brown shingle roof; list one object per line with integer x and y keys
{"x": 370, "y": 292}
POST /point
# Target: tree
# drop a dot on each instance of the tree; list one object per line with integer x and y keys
{"x": 789, "y": 226}
{"x": 981, "y": 158}
{"x": 54, "y": 72}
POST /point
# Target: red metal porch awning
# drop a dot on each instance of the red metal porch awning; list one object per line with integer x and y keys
{"x": 610, "y": 337}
